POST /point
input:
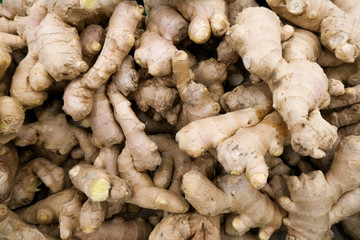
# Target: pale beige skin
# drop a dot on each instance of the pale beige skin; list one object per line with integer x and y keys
{"x": 197, "y": 102}
{"x": 338, "y": 29}
{"x": 154, "y": 53}
{"x": 226, "y": 54}
{"x": 126, "y": 78}
{"x": 233, "y": 194}
{"x": 316, "y": 198}
{"x": 50, "y": 174}
{"x": 24, "y": 189}
{"x": 234, "y": 7}
{"x": 52, "y": 130}
{"x": 106, "y": 131}
{"x": 8, "y": 42}
{"x": 200, "y": 135}
{"x": 243, "y": 97}
{"x": 40, "y": 28}
{"x": 205, "y": 164}
{"x": 107, "y": 159}
{"x": 185, "y": 226}
{"x": 70, "y": 64}
{"x": 12, "y": 8}
{"x": 12, "y": 116}
{"x": 160, "y": 94}
{"x": 347, "y": 205}
{"x": 158, "y": 199}
{"x": 144, "y": 152}
{"x": 168, "y": 23}
{"x": 8, "y": 167}
{"x": 300, "y": 78}
{"x": 73, "y": 12}
{"x": 205, "y": 16}
{"x": 211, "y": 74}
{"x": 98, "y": 184}
{"x": 351, "y": 226}
{"x": 63, "y": 206}
{"x": 78, "y": 96}
{"x": 136, "y": 229}
{"x": 12, "y": 227}
{"x": 172, "y": 157}
{"x": 92, "y": 215}
{"x": 349, "y": 6}
{"x": 20, "y": 87}
{"x": 84, "y": 139}
{"x": 128, "y": 172}
{"x": 245, "y": 150}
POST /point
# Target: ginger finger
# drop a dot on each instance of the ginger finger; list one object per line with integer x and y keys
{"x": 200, "y": 135}
{"x": 142, "y": 149}
{"x": 183, "y": 226}
{"x": 92, "y": 39}
{"x": 254, "y": 208}
{"x": 342, "y": 177}
{"x": 168, "y": 23}
{"x": 98, "y": 184}
{"x": 128, "y": 172}
{"x": 196, "y": 106}
{"x": 78, "y": 96}
{"x": 154, "y": 53}
{"x": 107, "y": 159}
{"x": 237, "y": 155}
{"x": 8, "y": 167}
{"x": 211, "y": 74}
{"x": 136, "y": 229}
{"x": 106, "y": 131}
{"x": 126, "y": 77}
{"x": 12, "y": 227}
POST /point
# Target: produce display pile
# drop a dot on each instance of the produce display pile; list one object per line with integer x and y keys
{"x": 179, "y": 119}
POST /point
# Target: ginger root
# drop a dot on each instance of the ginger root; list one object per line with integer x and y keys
{"x": 78, "y": 96}
{"x": 233, "y": 194}
{"x": 310, "y": 133}
{"x": 306, "y": 219}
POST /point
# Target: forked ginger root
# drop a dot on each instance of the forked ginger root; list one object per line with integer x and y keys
{"x": 184, "y": 226}
{"x": 339, "y": 31}
{"x": 142, "y": 149}
{"x": 249, "y": 106}
{"x": 78, "y": 96}
{"x": 99, "y": 186}
{"x": 307, "y": 220}
{"x": 233, "y": 194}
{"x": 197, "y": 102}
{"x": 154, "y": 53}
{"x": 245, "y": 150}
{"x": 106, "y": 131}
{"x": 12, "y": 227}
{"x": 30, "y": 176}
{"x": 205, "y": 17}
{"x": 62, "y": 207}
{"x": 298, "y": 82}
{"x": 168, "y": 23}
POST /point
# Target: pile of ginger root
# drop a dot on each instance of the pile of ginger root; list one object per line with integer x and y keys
{"x": 179, "y": 119}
